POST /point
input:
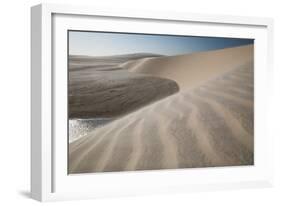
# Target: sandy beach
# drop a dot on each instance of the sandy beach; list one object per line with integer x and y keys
{"x": 186, "y": 111}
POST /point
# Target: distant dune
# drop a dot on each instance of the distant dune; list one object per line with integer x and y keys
{"x": 82, "y": 62}
{"x": 98, "y": 87}
{"x": 209, "y": 122}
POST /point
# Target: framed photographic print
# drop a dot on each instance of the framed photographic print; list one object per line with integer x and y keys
{"x": 134, "y": 102}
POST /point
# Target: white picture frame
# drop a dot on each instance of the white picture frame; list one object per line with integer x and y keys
{"x": 49, "y": 178}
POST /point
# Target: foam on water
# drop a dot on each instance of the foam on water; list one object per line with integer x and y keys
{"x": 81, "y": 127}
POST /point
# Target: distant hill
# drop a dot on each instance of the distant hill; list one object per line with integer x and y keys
{"x": 113, "y": 57}
{"x": 82, "y": 62}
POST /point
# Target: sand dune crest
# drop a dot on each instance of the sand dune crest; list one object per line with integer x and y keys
{"x": 191, "y": 70}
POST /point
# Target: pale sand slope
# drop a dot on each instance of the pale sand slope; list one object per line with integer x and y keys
{"x": 192, "y": 70}
{"x": 210, "y": 125}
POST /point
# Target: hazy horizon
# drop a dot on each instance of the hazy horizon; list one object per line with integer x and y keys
{"x": 110, "y": 44}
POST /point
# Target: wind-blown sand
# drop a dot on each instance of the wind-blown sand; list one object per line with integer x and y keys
{"x": 209, "y": 122}
{"x": 192, "y": 70}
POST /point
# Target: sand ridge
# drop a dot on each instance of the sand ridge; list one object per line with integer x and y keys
{"x": 191, "y": 70}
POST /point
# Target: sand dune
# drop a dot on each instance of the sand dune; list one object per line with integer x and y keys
{"x": 191, "y": 70}
{"x": 77, "y": 62}
{"x": 208, "y": 123}
{"x": 98, "y": 87}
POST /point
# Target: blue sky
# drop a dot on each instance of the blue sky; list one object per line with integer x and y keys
{"x": 106, "y": 44}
